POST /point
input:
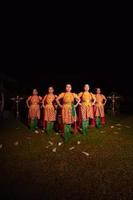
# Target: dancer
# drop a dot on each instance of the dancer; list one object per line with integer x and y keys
{"x": 68, "y": 110}
{"x": 33, "y": 103}
{"x": 86, "y": 108}
{"x": 49, "y": 105}
{"x": 99, "y": 108}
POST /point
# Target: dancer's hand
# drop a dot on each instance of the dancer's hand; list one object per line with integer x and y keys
{"x": 75, "y": 106}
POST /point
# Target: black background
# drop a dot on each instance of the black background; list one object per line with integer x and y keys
{"x": 61, "y": 50}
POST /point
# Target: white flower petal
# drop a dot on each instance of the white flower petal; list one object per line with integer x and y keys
{"x": 111, "y": 126}
{"x": 71, "y": 148}
{"x": 54, "y": 150}
{"x": 87, "y": 154}
{"x": 60, "y": 143}
{"x": 118, "y": 124}
{"x": 51, "y": 143}
{"x": 36, "y": 131}
{"x": 16, "y": 143}
{"x": 102, "y": 131}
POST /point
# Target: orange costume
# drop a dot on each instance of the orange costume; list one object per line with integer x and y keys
{"x": 34, "y": 109}
{"x": 86, "y": 105}
{"x": 68, "y": 99}
{"x": 86, "y": 110}
{"x": 49, "y": 109}
{"x": 100, "y": 99}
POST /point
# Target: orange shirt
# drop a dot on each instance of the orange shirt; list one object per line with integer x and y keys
{"x": 48, "y": 99}
{"x": 35, "y": 99}
{"x": 68, "y": 98}
{"x": 86, "y": 98}
{"x": 100, "y": 99}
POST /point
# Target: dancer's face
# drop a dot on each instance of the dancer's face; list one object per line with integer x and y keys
{"x": 50, "y": 90}
{"x": 86, "y": 87}
{"x": 35, "y": 92}
{"x": 68, "y": 88}
{"x": 98, "y": 91}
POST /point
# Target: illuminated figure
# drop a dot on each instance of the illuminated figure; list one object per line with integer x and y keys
{"x": 68, "y": 112}
{"x": 49, "y": 105}
{"x": 99, "y": 107}
{"x": 33, "y": 103}
{"x": 86, "y": 108}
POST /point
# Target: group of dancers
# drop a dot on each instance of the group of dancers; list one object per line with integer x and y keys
{"x": 72, "y": 112}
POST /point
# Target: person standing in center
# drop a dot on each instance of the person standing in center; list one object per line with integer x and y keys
{"x": 86, "y": 108}
{"x": 68, "y": 110}
{"x": 49, "y": 105}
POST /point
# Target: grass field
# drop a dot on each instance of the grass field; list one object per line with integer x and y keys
{"x": 94, "y": 167}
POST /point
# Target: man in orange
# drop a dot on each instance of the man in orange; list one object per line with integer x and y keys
{"x": 33, "y": 103}
{"x": 49, "y": 110}
{"x": 99, "y": 106}
{"x": 86, "y": 107}
{"x": 68, "y": 110}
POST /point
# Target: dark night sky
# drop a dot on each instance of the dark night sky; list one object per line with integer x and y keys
{"x": 99, "y": 56}
{"x": 109, "y": 78}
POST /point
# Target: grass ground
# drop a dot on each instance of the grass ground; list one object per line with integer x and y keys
{"x": 94, "y": 167}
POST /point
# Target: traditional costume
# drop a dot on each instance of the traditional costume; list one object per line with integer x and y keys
{"x": 68, "y": 112}
{"x": 99, "y": 109}
{"x": 33, "y": 103}
{"x": 49, "y": 112}
{"x": 86, "y": 109}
